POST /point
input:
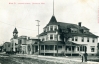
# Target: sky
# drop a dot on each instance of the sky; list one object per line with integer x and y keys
{"x": 23, "y": 13}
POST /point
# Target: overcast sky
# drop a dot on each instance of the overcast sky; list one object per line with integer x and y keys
{"x": 19, "y": 14}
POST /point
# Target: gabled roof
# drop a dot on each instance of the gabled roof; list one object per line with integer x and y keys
{"x": 69, "y": 25}
{"x": 15, "y": 31}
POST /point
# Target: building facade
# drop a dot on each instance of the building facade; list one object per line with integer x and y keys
{"x": 66, "y": 38}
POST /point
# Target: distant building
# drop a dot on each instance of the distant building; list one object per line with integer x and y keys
{"x": 7, "y": 47}
{"x": 21, "y": 44}
{"x": 28, "y": 45}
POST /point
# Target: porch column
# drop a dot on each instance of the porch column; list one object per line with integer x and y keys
{"x": 26, "y": 50}
{"x": 79, "y": 50}
{"x": 54, "y": 50}
{"x": 31, "y": 49}
{"x": 76, "y": 48}
{"x": 65, "y": 50}
{"x": 82, "y": 47}
{"x": 34, "y": 48}
{"x": 39, "y": 49}
{"x": 44, "y": 50}
{"x": 71, "y": 50}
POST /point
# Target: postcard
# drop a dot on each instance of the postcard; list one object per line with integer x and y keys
{"x": 49, "y": 31}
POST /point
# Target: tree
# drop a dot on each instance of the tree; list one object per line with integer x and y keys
{"x": 98, "y": 49}
{"x": 64, "y": 34}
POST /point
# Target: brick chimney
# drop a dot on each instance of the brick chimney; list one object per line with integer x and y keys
{"x": 79, "y": 24}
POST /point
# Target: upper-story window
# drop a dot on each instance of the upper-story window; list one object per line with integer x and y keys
{"x": 51, "y": 28}
{"x": 92, "y": 48}
{"x": 43, "y": 39}
{"x": 93, "y": 40}
{"x": 46, "y": 37}
{"x": 82, "y": 39}
{"x": 48, "y": 28}
{"x": 51, "y": 37}
{"x": 55, "y": 27}
{"x": 44, "y": 30}
{"x": 87, "y": 39}
{"x": 76, "y": 38}
{"x": 72, "y": 38}
{"x": 55, "y": 36}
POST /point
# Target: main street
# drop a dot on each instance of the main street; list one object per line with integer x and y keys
{"x": 34, "y": 59}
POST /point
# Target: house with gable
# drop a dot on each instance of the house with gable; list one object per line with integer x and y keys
{"x": 54, "y": 39}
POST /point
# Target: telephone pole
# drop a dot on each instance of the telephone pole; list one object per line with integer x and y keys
{"x": 38, "y": 37}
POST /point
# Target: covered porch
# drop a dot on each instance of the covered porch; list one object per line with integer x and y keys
{"x": 69, "y": 48}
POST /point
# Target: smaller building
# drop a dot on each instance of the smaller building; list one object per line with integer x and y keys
{"x": 7, "y": 47}
{"x": 28, "y": 45}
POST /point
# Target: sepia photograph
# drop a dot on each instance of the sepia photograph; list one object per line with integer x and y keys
{"x": 49, "y": 32}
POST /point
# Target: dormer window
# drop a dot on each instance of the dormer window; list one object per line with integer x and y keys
{"x": 51, "y": 28}
{"x": 73, "y": 30}
{"x": 85, "y": 31}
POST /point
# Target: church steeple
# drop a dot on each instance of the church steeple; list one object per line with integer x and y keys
{"x": 15, "y": 33}
{"x": 15, "y": 30}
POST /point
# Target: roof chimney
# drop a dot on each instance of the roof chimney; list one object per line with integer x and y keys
{"x": 79, "y": 24}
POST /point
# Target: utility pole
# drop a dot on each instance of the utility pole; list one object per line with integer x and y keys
{"x": 38, "y": 37}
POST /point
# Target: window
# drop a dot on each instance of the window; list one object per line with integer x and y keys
{"x": 87, "y": 39}
{"x": 20, "y": 41}
{"x": 51, "y": 36}
{"x": 76, "y": 38}
{"x": 82, "y": 39}
{"x": 55, "y": 47}
{"x": 85, "y": 31}
{"x": 55, "y": 36}
{"x": 73, "y": 30}
{"x": 46, "y": 37}
{"x": 72, "y": 38}
{"x": 51, "y": 47}
{"x": 77, "y": 48}
{"x": 93, "y": 40}
{"x": 42, "y": 39}
{"x": 42, "y": 47}
{"x": 92, "y": 48}
{"x": 44, "y": 30}
{"x": 47, "y": 28}
{"x": 51, "y": 28}
{"x": 8, "y": 45}
{"x": 60, "y": 47}
{"x": 55, "y": 28}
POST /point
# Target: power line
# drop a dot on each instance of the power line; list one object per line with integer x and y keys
{"x": 18, "y": 26}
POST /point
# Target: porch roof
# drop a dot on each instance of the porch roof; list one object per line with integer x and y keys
{"x": 59, "y": 43}
{"x": 73, "y": 43}
{"x": 52, "y": 43}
